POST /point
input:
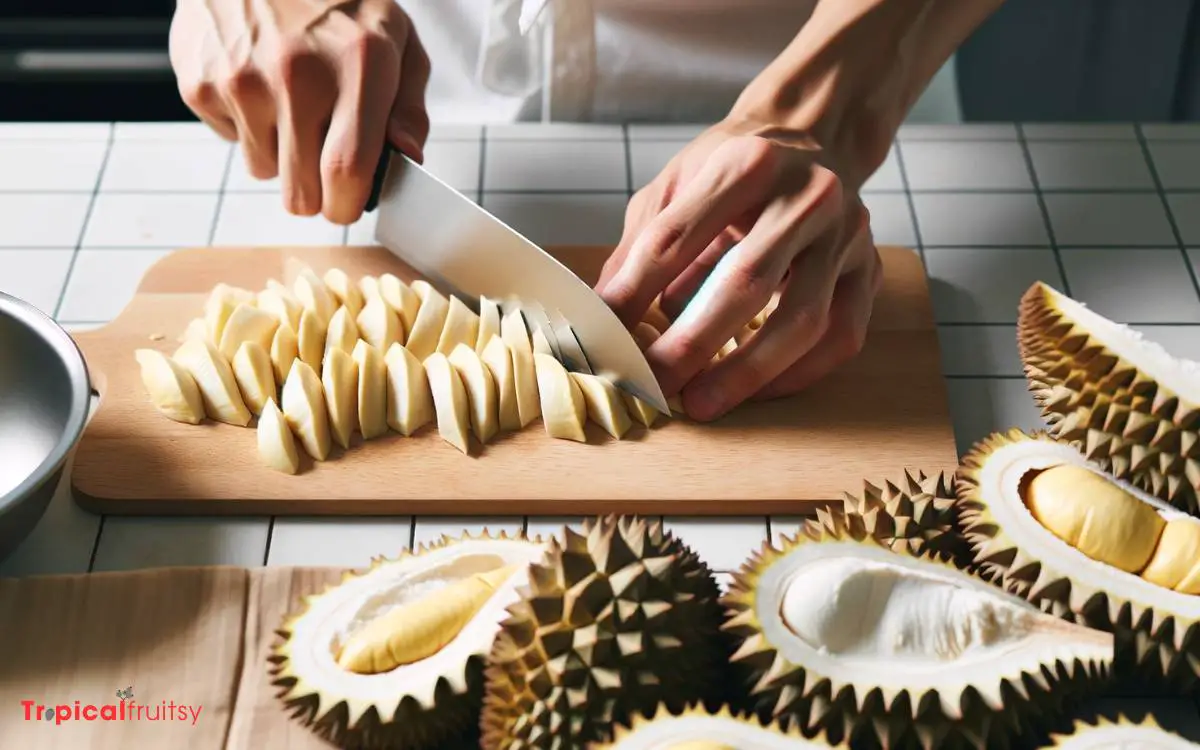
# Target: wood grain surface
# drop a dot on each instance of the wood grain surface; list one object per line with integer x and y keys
{"x": 884, "y": 411}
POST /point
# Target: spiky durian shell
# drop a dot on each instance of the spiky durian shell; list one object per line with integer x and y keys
{"x": 1112, "y": 411}
{"x": 661, "y": 714}
{"x": 615, "y": 620}
{"x": 868, "y": 716}
{"x": 1150, "y": 645}
{"x": 916, "y": 515}
{"x": 448, "y": 722}
{"x": 1146, "y": 730}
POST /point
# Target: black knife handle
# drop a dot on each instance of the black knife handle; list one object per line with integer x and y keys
{"x": 385, "y": 157}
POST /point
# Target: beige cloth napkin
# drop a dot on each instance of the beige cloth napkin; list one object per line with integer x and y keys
{"x": 186, "y": 647}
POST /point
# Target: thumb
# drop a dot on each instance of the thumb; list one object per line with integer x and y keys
{"x": 408, "y": 122}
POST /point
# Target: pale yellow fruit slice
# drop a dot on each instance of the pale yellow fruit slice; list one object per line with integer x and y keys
{"x": 285, "y": 349}
{"x": 489, "y": 323}
{"x": 481, "y": 391}
{"x": 656, "y": 318}
{"x": 641, "y": 411}
{"x": 409, "y": 400}
{"x": 462, "y": 327}
{"x": 276, "y": 444}
{"x": 604, "y": 404}
{"x": 540, "y": 344}
{"x": 499, "y": 361}
{"x": 171, "y": 388}
{"x": 343, "y": 331}
{"x": 725, "y": 350}
{"x": 426, "y": 330}
{"x": 450, "y": 401}
{"x": 282, "y": 289}
{"x": 283, "y": 307}
{"x": 254, "y": 375}
{"x": 304, "y": 408}
{"x": 339, "y": 378}
{"x": 214, "y": 377}
{"x": 564, "y": 412}
{"x": 246, "y": 323}
{"x": 310, "y": 340}
{"x": 369, "y": 286}
{"x": 217, "y": 309}
{"x": 314, "y": 295}
{"x": 401, "y": 298}
{"x": 379, "y": 325}
{"x": 372, "y": 390}
{"x": 516, "y": 338}
{"x": 344, "y": 291}
{"x": 239, "y": 295}
{"x": 196, "y": 328}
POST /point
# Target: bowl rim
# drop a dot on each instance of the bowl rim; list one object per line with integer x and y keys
{"x": 72, "y": 358}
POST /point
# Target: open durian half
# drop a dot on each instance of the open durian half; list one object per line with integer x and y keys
{"x": 1121, "y": 734}
{"x": 700, "y": 729}
{"x": 1081, "y": 544}
{"x": 393, "y": 657}
{"x": 1122, "y": 400}
{"x": 917, "y": 514}
{"x": 881, "y": 648}
{"x": 616, "y": 619}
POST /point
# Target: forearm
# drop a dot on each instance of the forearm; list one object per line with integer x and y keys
{"x": 854, "y": 71}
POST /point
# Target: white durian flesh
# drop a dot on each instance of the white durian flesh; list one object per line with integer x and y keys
{"x": 412, "y": 701}
{"x": 824, "y": 623}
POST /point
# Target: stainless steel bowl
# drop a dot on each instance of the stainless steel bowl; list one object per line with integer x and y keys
{"x": 45, "y": 393}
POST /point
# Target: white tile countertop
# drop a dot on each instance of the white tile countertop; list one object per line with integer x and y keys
{"x": 1108, "y": 213}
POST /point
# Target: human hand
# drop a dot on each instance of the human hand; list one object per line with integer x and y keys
{"x": 310, "y": 88}
{"x": 773, "y": 225}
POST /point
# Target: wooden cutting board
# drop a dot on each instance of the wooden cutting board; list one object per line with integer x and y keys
{"x": 885, "y": 410}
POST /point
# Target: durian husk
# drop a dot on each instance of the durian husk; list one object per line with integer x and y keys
{"x": 1116, "y": 414}
{"x": 1120, "y": 733}
{"x": 875, "y": 717}
{"x": 915, "y": 515}
{"x": 1150, "y": 645}
{"x": 448, "y": 721}
{"x": 722, "y": 716}
{"x": 615, "y": 620}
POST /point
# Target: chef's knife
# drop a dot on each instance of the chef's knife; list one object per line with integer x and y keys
{"x": 458, "y": 245}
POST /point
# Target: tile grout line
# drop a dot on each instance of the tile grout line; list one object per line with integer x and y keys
{"x": 1043, "y": 208}
{"x": 1166, "y": 204}
{"x": 87, "y": 217}
{"x": 479, "y": 193}
{"x": 612, "y": 191}
{"x": 912, "y": 206}
{"x": 212, "y": 229}
{"x": 628, "y": 160}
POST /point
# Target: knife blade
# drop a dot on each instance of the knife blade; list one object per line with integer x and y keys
{"x": 457, "y": 245}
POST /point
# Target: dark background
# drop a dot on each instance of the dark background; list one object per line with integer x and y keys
{"x": 1034, "y": 60}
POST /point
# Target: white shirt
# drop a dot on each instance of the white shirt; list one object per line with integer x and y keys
{"x": 601, "y": 60}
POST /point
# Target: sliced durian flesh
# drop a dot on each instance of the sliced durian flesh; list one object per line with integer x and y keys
{"x": 254, "y": 375}
{"x": 698, "y": 729}
{"x": 489, "y": 322}
{"x": 214, "y": 377}
{"x": 461, "y": 327}
{"x": 564, "y": 410}
{"x": 481, "y": 391}
{"x": 379, "y": 325}
{"x": 342, "y": 332}
{"x": 276, "y": 444}
{"x": 426, "y": 330}
{"x": 285, "y": 349}
{"x": 499, "y": 361}
{"x": 829, "y": 626}
{"x": 339, "y": 378}
{"x": 310, "y": 340}
{"x": 419, "y": 629}
{"x": 195, "y": 329}
{"x": 418, "y": 704}
{"x": 372, "y": 390}
{"x": 219, "y": 305}
{"x": 401, "y": 298}
{"x": 1122, "y": 734}
{"x": 409, "y": 400}
{"x": 450, "y": 401}
{"x": 1120, "y": 398}
{"x": 280, "y": 304}
{"x": 344, "y": 291}
{"x": 314, "y": 295}
{"x": 246, "y": 323}
{"x": 171, "y": 388}
{"x": 605, "y": 406}
{"x": 303, "y": 402}
{"x": 1157, "y": 629}
{"x": 516, "y": 338}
